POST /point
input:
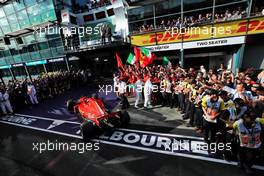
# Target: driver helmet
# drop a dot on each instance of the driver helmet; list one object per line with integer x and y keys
{"x": 95, "y": 96}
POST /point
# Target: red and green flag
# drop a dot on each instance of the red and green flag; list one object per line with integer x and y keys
{"x": 143, "y": 56}
{"x": 131, "y": 59}
{"x": 166, "y": 62}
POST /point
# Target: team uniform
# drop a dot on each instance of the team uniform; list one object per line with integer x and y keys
{"x": 210, "y": 124}
{"x": 138, "y": 90}
{"x": 5, "y": 103}
{"x": 147, "y": 93}
{"x": 32, "y": 93}
{"x": 249, "y": 141}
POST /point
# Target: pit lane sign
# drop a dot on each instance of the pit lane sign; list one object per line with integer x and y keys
{"x": 166, "y": 47}
{"x": 142, "y": 139}
{"x": 214, "y": 42}
{"x": 162, "y": 142}
{"x": 198, "y": 44}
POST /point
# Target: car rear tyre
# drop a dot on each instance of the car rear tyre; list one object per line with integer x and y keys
{"x": 88, "y": 131}
{"x": 79, "y": 117}
{"x": 70, "y": 105}
{"x": 124, "y": 118}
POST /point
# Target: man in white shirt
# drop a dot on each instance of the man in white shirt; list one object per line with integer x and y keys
{"x": 116, "y": 84}
{"x": 32, "y": 93}
{"x": 147, "y": 93}
{"x": 5, "y": 103}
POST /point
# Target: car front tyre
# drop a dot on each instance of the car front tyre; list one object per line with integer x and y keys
{"x": 124, "y": 118}
{"x": 88, "y": 131}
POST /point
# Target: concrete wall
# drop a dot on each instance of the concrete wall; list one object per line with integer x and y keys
{"x": 254, "y": 56}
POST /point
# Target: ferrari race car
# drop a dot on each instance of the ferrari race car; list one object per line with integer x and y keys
{"x": 95, "y": 118}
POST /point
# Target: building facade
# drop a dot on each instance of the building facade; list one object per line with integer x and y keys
{"x": 46, "y": 35}
{"x": 27, "y": 38}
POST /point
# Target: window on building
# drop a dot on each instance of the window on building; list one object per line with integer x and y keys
{"x": 73, "y": 19}
{"x": 140, "y": 13}
{"x": 218, "y": 2}
{"x": 88, "y": 18}
{"x": 9, "y": 9}
{"x": 29, "y": 2}
{"x": 110, "y": 12}
{"x": 32, "y": 48}
{"x": 2, "y": 13}
{"x": 199, "y": 17}
{"x": 23, "y": 19}
{"x": 55, "y": 43}
{"x": 12, "y": 19}
{"x": 4, "y": 25}
{"x": 228, "y": 12}
{"x": 29, "y": 39}
{"x": 168, "y": 7}
{"x": 142, "y": 26}
{"x": 168, "y": 21}
{"x": 1, "y": 54}
{"x": 257, "y": 8}
{"x": 100, "y": 15}
{"x": 33, "y": 14}
{"x": 43, "y": 45}
{"x": 18, "y": 5}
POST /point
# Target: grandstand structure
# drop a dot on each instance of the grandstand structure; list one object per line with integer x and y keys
{"x": 201, "y": 32}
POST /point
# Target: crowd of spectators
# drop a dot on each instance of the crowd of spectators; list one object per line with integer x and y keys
{"x": 200, "y": 19}
{"x": 16, "y": 95}
{"x": 214, "y": 100}
{"x": 258, "y": 11}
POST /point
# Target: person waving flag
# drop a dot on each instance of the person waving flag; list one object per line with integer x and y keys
{"x": 119, "y": 63}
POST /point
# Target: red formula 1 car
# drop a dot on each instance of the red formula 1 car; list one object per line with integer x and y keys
{"x": 95, "y": 117}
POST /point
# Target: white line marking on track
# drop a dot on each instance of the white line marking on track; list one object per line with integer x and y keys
{"x": 40, "y": 129}
{"x": 130, "y": 130}
{"x": 221, "y": 161}
{"x": 50, "y": 119}
{"x": 164, "y": 134}
{"x": 136, "y": 147}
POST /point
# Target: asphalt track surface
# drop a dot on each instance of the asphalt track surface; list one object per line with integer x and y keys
{"x": 17, "y": 157}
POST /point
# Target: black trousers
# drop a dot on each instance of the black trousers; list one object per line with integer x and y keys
{"x": 124, "y": 102}
{"x": 210, "y": 130}
{"x": 174, "y": 101}
{"x": 189, "y": 111}
{"x": 198, "y": 117}
{"x": 247, "y": 156}
{"x": 168, "y": 98}
{"x": 181, "y": 101}
{"x": 164, "y": 101}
